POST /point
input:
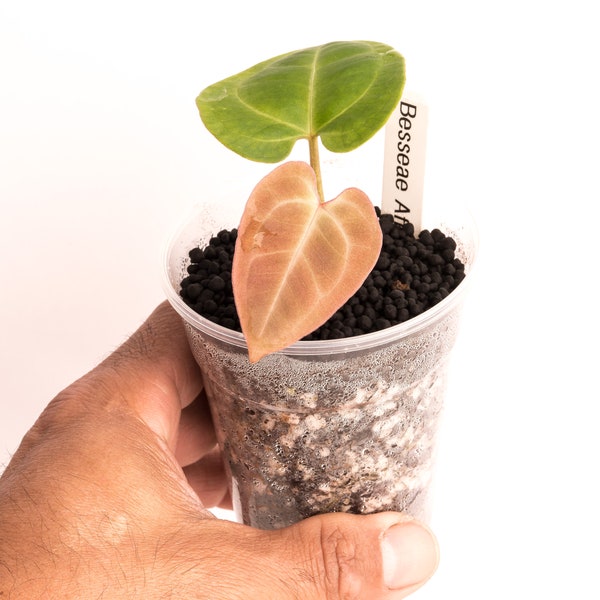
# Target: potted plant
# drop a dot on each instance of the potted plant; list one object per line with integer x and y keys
{"x": 323, "y": 327}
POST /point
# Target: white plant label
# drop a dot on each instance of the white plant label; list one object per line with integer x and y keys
{"x": 404, "y": 161}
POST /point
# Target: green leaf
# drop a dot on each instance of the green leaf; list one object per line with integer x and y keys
{"x": 343, "y": 92}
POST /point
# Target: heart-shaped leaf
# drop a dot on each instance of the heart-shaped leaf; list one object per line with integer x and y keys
{"x": 297, "y": 259}
{"x": 343, "y": 92}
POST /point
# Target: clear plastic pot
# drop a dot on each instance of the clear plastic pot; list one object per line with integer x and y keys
{"x": 342, "y": 425}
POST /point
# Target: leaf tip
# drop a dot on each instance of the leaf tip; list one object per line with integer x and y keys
{"x": 255, "y": 355}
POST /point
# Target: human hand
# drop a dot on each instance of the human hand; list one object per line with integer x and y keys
{"x": 106, "y": 497}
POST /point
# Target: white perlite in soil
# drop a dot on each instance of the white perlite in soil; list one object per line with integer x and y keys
{"x": 354, "y": 433}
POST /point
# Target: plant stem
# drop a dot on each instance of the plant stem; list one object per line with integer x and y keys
{"x": 313, "y": 147}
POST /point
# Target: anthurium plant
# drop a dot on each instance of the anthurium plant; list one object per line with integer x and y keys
{"x": 298, "y": 255}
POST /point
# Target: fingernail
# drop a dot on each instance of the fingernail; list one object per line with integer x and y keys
{"x": 410, "y": 555}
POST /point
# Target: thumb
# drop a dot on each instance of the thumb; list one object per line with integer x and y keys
{"x": 383, "y": 556}
{"x": 336, "y": 556}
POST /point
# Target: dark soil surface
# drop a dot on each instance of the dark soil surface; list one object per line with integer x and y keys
{"x": 412, "y": 274}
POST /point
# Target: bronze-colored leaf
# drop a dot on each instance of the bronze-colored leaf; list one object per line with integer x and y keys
{"x": 297, "y": 260}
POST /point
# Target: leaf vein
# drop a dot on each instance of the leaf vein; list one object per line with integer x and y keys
{"x": 270, "y": 117}
{"x": 352, "y": 104}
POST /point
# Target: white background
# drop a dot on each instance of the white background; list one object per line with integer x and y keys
{"x": 102, "y": 153}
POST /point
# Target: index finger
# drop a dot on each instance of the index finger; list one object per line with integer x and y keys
{"x": 155, "y": 372}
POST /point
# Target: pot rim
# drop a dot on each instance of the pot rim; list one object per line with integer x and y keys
{"x": 320, "y": 347}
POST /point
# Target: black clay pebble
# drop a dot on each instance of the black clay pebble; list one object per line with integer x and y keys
{"x": 412, "y": 274}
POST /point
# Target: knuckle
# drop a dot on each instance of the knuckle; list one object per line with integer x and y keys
{"x": 337, "y": 564}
